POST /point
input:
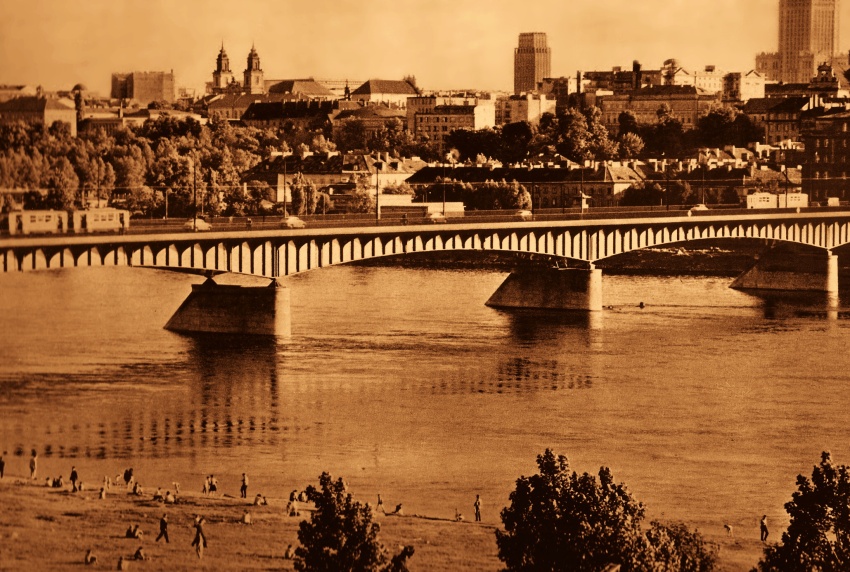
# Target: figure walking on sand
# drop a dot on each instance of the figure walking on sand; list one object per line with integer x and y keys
{"x": 243, "y": 490}
{"x": 163, "y": 529}
{"x": 764, "y": 531}
{"x": 74, "y": 478}
{"x": 33, "y": 464}
{"x": 200, "y": 541}
{"x": 477, "y": 506}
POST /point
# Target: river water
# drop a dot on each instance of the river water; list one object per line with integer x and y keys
{"x": 707, "y": 402}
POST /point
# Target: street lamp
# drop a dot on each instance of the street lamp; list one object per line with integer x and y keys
{"x": 378, "y": 166}
{"x": 194, "y": 194}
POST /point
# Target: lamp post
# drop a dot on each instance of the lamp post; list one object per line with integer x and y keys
{"x": 194, "y": 194}
{"x": 378, "y": 166}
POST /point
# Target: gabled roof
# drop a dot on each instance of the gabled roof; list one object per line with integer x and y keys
{"x": 33, "y": 104}
{"x": 385, "y": 86}
{"x": 790, "y": 105}
{"x": 244, "y": 100}
{"x": 372, "y": 112}
{"x": 759, "y": 105}
{"x": 308, "y": 87}
{"x": 614, "y": 173}
{"x": 264, "y": 111}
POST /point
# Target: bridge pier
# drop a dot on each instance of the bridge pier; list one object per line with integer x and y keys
{"x": 225, "y": 309}
{"x": 551, "y": 289}
{"x": 788, "y": 268}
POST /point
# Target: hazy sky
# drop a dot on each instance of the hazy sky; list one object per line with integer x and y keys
{"x": 446, "y": 44}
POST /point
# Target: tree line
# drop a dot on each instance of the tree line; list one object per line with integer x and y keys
{"x": 175, "y": 166}
{"x": 559, "y": 519}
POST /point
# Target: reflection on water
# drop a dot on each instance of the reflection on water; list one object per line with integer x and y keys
{"x": 404, "y": 379}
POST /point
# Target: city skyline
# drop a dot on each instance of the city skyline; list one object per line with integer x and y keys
{"x": 446, "y": 45}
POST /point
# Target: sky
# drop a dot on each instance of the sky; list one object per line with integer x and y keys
{"x": 446, "y": 44}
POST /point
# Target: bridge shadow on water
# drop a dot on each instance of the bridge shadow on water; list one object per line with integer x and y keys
{"x": 784, "y": 304}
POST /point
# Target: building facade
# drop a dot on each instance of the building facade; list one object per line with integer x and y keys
{"x": 529, "y": 107}
{"x": 742, "y": 87}
{"x": 436, "y": 117}
{"x": 827, "y": 157}
{"x": 36, "y": 110}
{"x": 686, "y": 103}
{"x": 144, "y": 87}
{"x": 532, "y": 61}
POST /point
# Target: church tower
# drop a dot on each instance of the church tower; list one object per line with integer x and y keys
{"x": 254, "y": 74}
{"x": 222, "y": 76}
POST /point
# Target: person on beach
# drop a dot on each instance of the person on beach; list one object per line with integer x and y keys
{"x": 128, "y": 477}
{"x": 157, "y": 496}
{"x": 292, "y": 508}
{"x": 90, "y": 558}
{"x": 246, "y": 518}
{"x": 380, "y": 508}
{"x": 213, "y": 484}
{"x": 200, "y": 540}
{"x": 102, "y": 494}
{"x": 140, "y": 554}
{"x": 3, "y": 463}
{"x": 33, "y": 464}
{"x": 170, "y": 498}
{"x": 74, "y": 478}
{"x": 259, "y": 500}
{"x": 764, "y": 531}
{"x": 477, "y": 506}
{"x": 134, "y": 532}
{"x": 137, "y": 489}
{"x": 163, "y": 529}
{"x": 243, "y": 490}
{"x": 206, "y": 488}
{"x": 289, "y": 554}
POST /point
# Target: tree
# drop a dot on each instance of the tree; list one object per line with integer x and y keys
{"x": 631, "y": 145}
{"x": 642, "y": 195}
{"x": 818, "y": 537}
{"x": 62, "y": 184}
{"x": 362, "y": 199}
{"x": 516, "y": 138}
{"x": 560, "y": 520}
{"x": 341, "y": 535}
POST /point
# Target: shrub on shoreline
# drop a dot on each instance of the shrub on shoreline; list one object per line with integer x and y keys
{"x": 341, "y": 534}
{"x": 818, "y": 537}
{"x": 560, "y": 520}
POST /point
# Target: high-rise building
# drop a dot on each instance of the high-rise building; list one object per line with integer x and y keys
{"x": 808, "y": 37}
{"x": 532, "y": 61}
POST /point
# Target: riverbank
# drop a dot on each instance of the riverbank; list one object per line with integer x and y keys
{"x": 44, "y": 528}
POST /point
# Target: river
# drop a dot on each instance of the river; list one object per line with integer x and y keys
{"x": 707, "y": 402}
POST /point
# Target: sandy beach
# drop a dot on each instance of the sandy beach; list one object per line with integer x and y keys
{"x": 45, "y": 528}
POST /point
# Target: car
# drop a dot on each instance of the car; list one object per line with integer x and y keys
{"x": 293, "y": 222}
{"x": 525, "y": 215}
{"x": 197, "y": 225}
{"x": 436, "y": 218}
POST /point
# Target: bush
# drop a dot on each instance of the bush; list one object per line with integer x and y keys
{"x": 341, "y": 535}
{"x": 560, "y": 520}
{"x": 818, "y": 537}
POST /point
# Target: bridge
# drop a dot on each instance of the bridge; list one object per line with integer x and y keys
{"x": 580, "y": 242}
